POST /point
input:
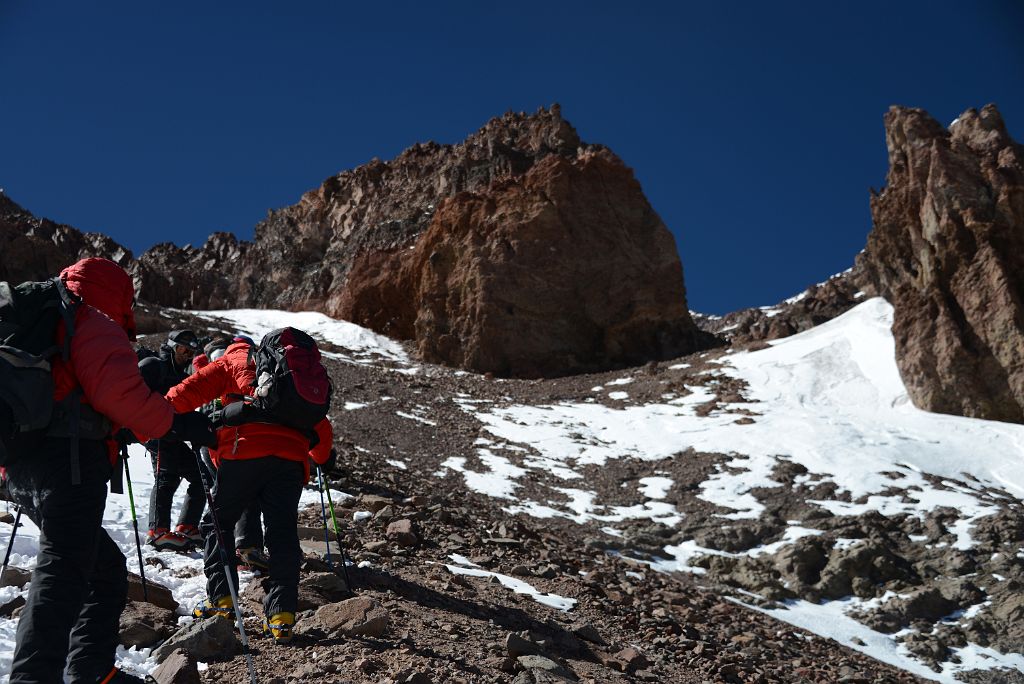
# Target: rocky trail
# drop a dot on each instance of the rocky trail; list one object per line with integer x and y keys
{"x": 417, "y": 617}
{"x": 455, "y": 581}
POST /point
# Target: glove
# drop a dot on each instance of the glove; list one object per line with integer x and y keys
{"x": 194, "y": 428}
{"x": 125, "y": 436}
{"x": 233, "y": 415}
{"x": 331, "y": 461}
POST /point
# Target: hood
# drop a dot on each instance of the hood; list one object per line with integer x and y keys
{"x": 235, "y": 347}
{"x": 103, "y": 285}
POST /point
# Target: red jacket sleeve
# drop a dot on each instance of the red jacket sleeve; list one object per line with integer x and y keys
{"x": 202, "y": 387}
{"x": 107, "y": 370}
{"x": 322, "y": 451}
{"x": 227, "y": 375}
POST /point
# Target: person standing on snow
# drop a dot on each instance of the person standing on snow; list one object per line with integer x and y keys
{"x": 249, "y": 528}
{"x": 173, "y": 460}
{"x": 257, "y": 462}
{"x": 79, "y": 585}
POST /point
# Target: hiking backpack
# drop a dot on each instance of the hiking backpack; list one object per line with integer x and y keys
{"x": 291, "y": 386}
{"x": 29, "y": 315}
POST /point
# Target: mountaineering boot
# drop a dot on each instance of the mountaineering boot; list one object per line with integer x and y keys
{"x": 154, "y": 533}
{"x": 190, "y": 533}
{"x": 279, "y": 626}
{"x": 117, "y": 676}
{"x": 221, "y": 607}
{"x": 253, "y": 559}
{"x": 165, "y": 540}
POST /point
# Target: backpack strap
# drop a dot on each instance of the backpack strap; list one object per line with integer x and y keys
{"x": 76, "y": 415}
{"x": 68, "y": 305}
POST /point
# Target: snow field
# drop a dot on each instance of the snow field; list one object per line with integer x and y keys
{"x": 830, "y": 399}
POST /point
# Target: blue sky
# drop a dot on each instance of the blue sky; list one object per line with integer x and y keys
{"x": 755, "y": 128}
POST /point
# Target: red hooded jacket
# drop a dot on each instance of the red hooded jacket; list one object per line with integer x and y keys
{"x": 232, "y": 374}
{"x": 102, "y": 362}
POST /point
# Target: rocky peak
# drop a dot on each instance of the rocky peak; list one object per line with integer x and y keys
{"x": 947, "y": 250}
{"x": 35, "y": 248}
{"x": 487, "y": 253}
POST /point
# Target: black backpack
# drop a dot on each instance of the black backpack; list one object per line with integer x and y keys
{"x": 29, "y": 315}
{"x": 291, "y": 387}
{"x": 143, "y": 353}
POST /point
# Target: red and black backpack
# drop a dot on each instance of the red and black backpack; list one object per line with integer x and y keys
{"x": 291, "y": 385}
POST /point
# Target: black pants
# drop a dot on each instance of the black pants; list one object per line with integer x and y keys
{"x": 172, "y": 462}
{"x": 80, "y": 582}
{"x": 249, "y": 528}
{"x": 275, "y": 484}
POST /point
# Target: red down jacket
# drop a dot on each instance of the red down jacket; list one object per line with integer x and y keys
{"x": 232, "y": 374}
{"x": 102, "y": 360}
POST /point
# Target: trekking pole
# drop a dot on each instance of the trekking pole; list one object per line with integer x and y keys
{"x": 341, "y": 546}
{"x": 135, "y": 520}
{"x": 10, "y": 544}
{"x": 323, "y": 514}
{"x": 207, "y": 487}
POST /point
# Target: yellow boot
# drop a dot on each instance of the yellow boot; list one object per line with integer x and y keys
{"x": 221, "y": 607}
{"x": 279, "y": 626}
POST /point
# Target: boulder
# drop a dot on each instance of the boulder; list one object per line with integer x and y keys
{"x": 15, "y": 577}
{"x": 359, "y": 616}
{"x": 401, "y": 533}
{"x": 540, "y": 664}
{"x": 157, "y": 594}
{"x": 204, "y": 639}
{"x": 7, "y": 609}
{"x": 861, "y": 568}
{"x": 947, "y": 251}
{"x": 179, "y": 668}
{"x": 315, "y": 590}
{"x": 144, "y": 624}
{"x": 565, "y": 269}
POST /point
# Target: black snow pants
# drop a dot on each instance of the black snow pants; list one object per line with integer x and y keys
{"x": 80, "y": 582}
{"x": 172, "y": 462}
{"x": 249, "y": 528}
{"x": 275, "y": 484}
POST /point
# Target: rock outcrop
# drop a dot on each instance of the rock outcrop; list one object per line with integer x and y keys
{"x": 564, "y": 269}
{"x": 35, "y": 248}
{"x": 947, "y": 250}
{"x": 521, "y": 251}
{"x": 815, "y": 305}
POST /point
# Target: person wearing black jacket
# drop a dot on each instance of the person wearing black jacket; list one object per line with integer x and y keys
{"x": 173, "y": 460}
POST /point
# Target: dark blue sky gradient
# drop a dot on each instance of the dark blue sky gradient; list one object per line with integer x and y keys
{"x": 754, "y": 127}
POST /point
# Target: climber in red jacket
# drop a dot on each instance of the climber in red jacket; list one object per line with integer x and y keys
{"x": 80, "y": 582}
{"x": 256, "y": 462}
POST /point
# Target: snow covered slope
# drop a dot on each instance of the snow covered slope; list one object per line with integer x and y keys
{"x": 829, "y": 400}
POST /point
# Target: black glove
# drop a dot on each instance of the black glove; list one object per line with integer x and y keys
{"x": 125, "y": 437}
{"x": 331, "y": 461}
{"x": 234, "y": 414}
{"x": 193, "y": 427}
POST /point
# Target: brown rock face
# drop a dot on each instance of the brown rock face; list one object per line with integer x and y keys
{"x": 34, "y": 248}
{"x": 564, "y": 269}
{"x": 521, "y": 251}
{"x": 947, "y": 250}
